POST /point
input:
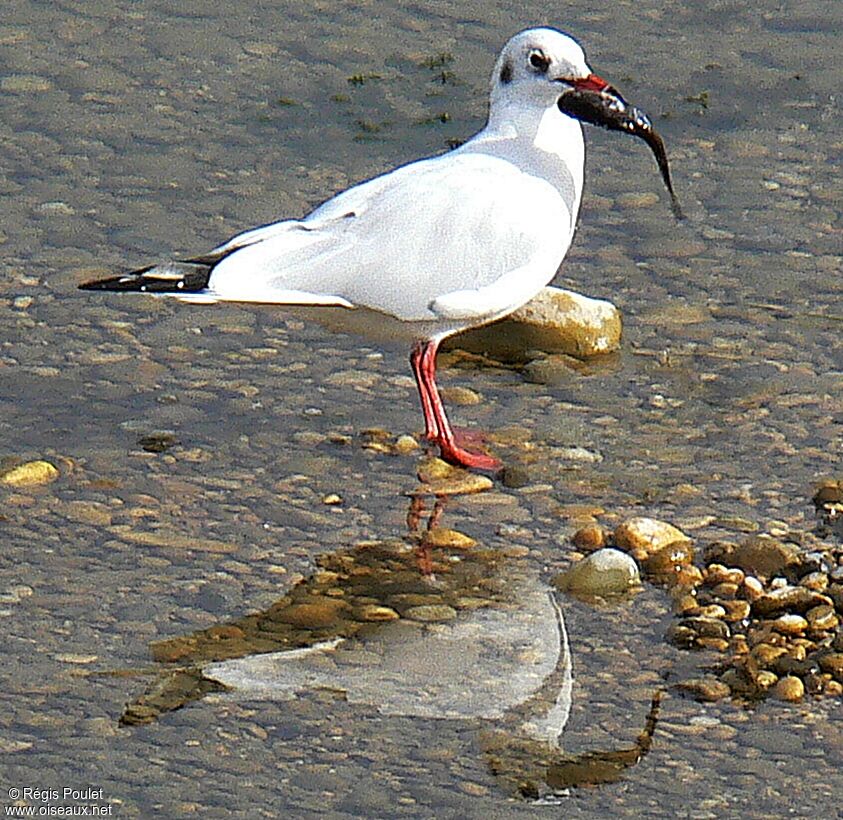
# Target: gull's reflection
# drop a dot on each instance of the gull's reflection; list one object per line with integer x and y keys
{"x": 410, "y": 629}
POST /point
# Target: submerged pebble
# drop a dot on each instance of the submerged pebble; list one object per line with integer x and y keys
{"x": 406, "y": 444}
{"x": 25, "y": 84}
{"x": 707, "y": 690}
{"x": 431, "y": 613}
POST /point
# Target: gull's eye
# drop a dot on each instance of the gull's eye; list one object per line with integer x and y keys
{"x": 539, "y": 61}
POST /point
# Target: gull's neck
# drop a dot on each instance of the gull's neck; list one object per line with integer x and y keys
{"x": 545, "y": 142}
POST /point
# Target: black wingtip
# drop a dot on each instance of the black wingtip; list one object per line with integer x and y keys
{"x": 111, "y": 283}
{"x": 171, "y": 277}
{"x": 98, "y": 284}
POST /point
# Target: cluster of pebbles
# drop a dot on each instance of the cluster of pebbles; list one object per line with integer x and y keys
{"x": 771, "y": 610}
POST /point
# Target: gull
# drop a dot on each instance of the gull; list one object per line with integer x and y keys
{"x": 441, "y": 244}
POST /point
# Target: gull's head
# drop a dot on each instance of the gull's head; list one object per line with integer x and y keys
{"x": 542, "y": 72}
{"x": 534, "y": 66}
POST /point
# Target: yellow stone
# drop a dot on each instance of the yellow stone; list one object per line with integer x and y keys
{"x": 789, "y": 688}
{"x": 405, "y": 444}
{"x": 766, "y": 654}
{"x": 72, "y": 657}
{"x": 435, "y": 469}
{"x": 765, "y": 679}
{"x": 647, "y": 534}
{"x": 30, "y": 474}
{"x": 459, "y": 486}
{"x": 441, "y": 479}
{"x": 790, "y": 624}
{"x": 373, "y": 612}
{"x": 555, "y": 321}
{"x": 317, "y": 615}
{"x": 443, "y": 537}
{"x": 25, "y": 84}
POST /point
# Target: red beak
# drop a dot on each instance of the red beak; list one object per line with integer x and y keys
{"x": 593, "y": 83}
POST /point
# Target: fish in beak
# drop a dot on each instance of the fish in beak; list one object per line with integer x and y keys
{"x": 592, "y": 100}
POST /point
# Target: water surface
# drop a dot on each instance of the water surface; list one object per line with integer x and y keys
{"x": 132, "y": 131}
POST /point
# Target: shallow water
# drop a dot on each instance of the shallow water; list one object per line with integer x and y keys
{"x": 131, "y": 130}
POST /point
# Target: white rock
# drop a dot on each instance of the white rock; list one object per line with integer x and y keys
{"x": 555, "y": 320}
{"x": 584, "y": 326}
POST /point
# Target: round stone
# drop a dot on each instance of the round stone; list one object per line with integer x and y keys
{"x": 707, "y": 627}
{"x": 789, "y": 688}
{"x": 822, "y": 618}
{"x": 442, "y": 479}
{"x": 406, "y": 444}
{"x": 765, "y": 679}
{"x": 790, "y": 624}
{"x": 561, "y": 320}
{"x": 736, "y": 610}
{"x": 605, "y": 572}
{"x": 752, "y": 588}
{"x": 725, "y": 590}
{"x": 664, "y": 564}
{"x": 589, "y": 538}
{"x": 714, "y": 644}
{"x": 716, "y": 574}
{"x": 688, "y": 576}
{"x": 765, "y": 654}
{"x": 818, "y": 581}
{"x": 763, "y": 555}
{"x": 460, "y": 395}
{"x": 315, "y": 615}
{"x": 788, "y": 599}
{"x": 645, "y": 536}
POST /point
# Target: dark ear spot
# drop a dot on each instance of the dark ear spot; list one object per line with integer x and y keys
{"x": 506, "y": 72}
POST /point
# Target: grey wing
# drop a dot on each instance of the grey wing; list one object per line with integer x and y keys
{"x": 471, "y": 225}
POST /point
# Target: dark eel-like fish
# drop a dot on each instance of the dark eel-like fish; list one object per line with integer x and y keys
{"x": 595, "y": 102}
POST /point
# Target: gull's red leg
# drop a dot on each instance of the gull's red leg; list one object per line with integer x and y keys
{"x": 423, "y": 359}
{"x": 431, "y": 428}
